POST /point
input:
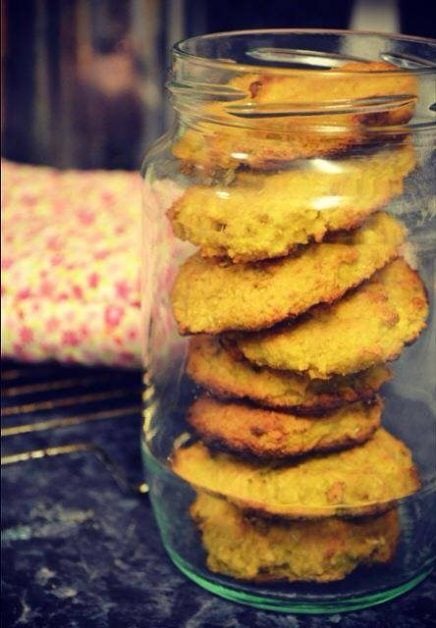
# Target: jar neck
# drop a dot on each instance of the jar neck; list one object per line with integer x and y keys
{"x": 319, "y": 89}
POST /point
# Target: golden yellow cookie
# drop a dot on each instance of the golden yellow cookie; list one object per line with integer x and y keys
{"x": 263, "y": 434}
{"x": 368, "y": 326}
{"x": 253, "y": 131}
{"x": 211, "y": 297}
{"x": 358, "y": 481}
{"x": 261, "y": 216}
{"x": 212, "y": 149}
{"x": 354, "y": 80}
{"x": 251, "y": 548}
{"x": 227, "y": 374}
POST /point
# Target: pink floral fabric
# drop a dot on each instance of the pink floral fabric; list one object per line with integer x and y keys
{"x": 70, "y": 265}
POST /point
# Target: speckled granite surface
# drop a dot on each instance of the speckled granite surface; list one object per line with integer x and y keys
{"x": 80, "y": 548}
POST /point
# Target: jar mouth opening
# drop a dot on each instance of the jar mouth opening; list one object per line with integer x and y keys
{"x": 291, "y": 51}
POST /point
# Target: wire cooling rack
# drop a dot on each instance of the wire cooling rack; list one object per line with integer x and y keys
{"x": 51, "y": 410}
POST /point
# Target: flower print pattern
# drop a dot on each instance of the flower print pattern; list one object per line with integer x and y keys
{"x": 70, "y": 265}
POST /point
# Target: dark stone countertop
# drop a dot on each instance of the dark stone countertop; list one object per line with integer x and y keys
{"x": 79, "y": 544}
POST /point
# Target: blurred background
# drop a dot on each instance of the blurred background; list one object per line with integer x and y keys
{"x": 83, "y": 81}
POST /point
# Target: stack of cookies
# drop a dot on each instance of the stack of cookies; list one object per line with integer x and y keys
{"x": 296, "y": 300}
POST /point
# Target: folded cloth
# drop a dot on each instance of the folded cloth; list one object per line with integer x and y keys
{"x": 70, "y": 265}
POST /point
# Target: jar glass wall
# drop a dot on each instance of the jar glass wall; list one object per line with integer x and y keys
{"x": 289, "y": 240}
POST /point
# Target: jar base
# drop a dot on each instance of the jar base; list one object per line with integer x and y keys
{"x": 297, "y": 604}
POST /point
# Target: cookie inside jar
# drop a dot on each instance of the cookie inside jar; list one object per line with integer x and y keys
{"x": 289, "y": 407}
{"x": 297, "y": 298}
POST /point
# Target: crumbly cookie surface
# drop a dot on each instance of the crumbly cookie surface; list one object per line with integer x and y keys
{"x": 212, "y": 150}
{"x": 264, "y": 142}
{"x": 260, "y": 216}
{"x": 250, "y": 548}
{"x": 211, "y": 297}
{"x": 225, "y": 372}
{"x": 264, "y": 434}
{"x": 353, "y": 80}
{"x": 368, "y": 326}
{"x": 358, "y": 481}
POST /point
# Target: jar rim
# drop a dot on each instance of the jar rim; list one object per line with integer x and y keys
{"x": 405, "y": 64}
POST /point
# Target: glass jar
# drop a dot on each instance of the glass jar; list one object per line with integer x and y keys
{"x": 289, "y": 408}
